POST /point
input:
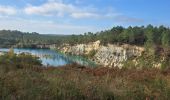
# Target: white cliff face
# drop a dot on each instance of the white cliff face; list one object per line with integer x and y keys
{"x": 115, "y": 55}
{"x": 107, "y": 56}
{"x": 81, "y": 49}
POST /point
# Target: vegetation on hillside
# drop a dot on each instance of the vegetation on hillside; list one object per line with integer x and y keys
{"x": 156, "y": 40}
{"x": 24, "y": 39}
{"x": 148, "y": 36}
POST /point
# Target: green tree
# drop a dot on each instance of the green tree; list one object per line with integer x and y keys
{"x": 166, "y": 39}
{"x": 149, "y": 44}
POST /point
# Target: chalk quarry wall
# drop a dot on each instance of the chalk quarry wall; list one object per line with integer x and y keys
{"x": 115, "y": 55}
{"x": 107, "y": 56}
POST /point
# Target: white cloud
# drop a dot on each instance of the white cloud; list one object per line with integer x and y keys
{"x": 85, "y": 15}
{"x": 7, "y": 10}
{"x": 51, "y": 8}
{"x": 58, "y": 8}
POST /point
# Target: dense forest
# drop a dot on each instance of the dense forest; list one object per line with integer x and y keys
{"x": 144, "y": 36}
{"x": 10, "y": 38}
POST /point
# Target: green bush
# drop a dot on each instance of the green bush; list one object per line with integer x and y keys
{"x": 13, "y": 61}
{"x": 92, "y": 53}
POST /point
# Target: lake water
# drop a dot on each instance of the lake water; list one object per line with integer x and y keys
{"x": 53, "y": 58}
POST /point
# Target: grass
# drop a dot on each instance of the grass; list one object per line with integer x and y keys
{"x": 75, "y": 82}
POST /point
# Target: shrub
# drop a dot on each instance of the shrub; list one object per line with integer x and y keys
{"x": 92, "y": 53}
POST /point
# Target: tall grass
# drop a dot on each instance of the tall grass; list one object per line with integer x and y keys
{"x": 31, "y": 81}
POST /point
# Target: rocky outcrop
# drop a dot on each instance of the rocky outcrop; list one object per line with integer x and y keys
{"x": 80, "y": 49}
{"x": 49, "y": 46}
{"x": 115, "y": 55}
{"x": 107, "y": 56}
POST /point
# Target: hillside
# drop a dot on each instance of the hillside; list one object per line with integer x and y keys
{"x": 148, "y": 36}
{"x": 117, "y": 46}
{"x": 16, "y": 38}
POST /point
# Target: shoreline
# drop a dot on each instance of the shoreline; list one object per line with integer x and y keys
{"x": 72, "y": 58}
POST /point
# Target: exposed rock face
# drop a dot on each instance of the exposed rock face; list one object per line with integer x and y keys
{"x": 50, "y": 46}
{"x": 81, "y": 49}
{"x": 108, "y": 56}
{"x": 115, "y": 55}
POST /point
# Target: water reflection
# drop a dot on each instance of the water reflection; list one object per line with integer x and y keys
{"x": 52, "y": 58}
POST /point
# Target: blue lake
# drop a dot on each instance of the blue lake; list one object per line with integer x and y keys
{"x": 53, "y": 58}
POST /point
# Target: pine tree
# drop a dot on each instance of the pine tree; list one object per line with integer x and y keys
{"x": 149, "y": 44}
{"x": 166, "y": 39}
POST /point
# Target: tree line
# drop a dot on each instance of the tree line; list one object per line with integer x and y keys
{"x": 144, "y": 36}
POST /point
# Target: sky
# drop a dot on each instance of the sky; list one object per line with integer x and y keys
{"x": 80, "y": 16}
